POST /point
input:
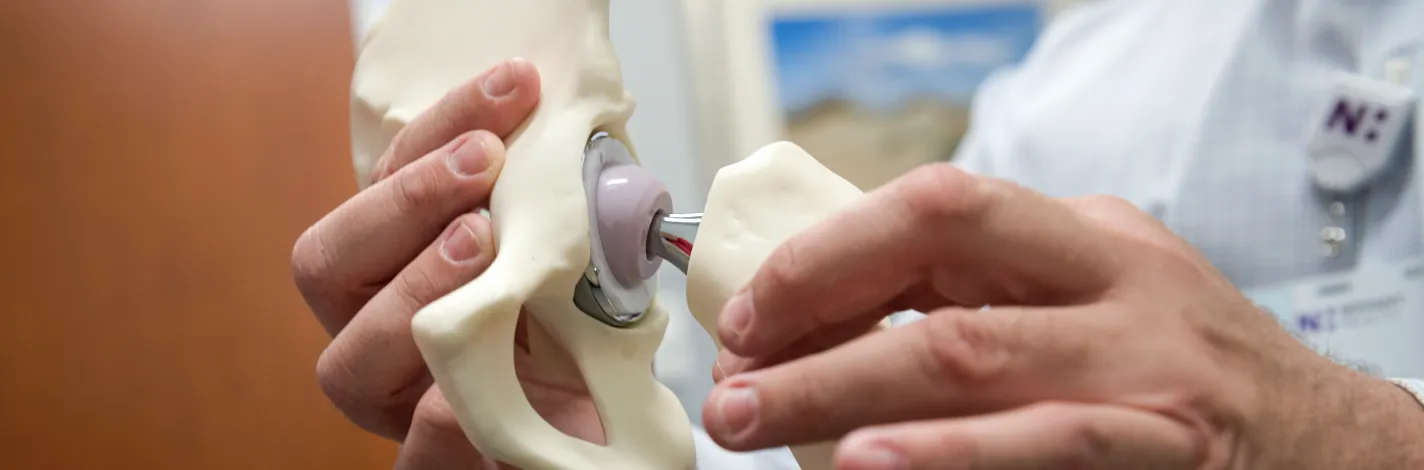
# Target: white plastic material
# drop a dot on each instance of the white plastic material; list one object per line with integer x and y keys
{"x": 420, "y": 49}
{"x": 754, "y": 206}
{"x": 413, "y": 55}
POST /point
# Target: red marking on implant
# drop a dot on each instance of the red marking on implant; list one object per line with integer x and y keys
{"x": 681, "y": 244}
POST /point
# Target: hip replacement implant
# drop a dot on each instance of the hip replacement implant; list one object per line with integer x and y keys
{"x": 632, "y": 235}
{"x": 581, "y": 230}
{"x": 559, "y": 251}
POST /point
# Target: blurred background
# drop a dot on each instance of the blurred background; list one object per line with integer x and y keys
{"x": 892, "y": 82}
{"x": 162, "y": 156}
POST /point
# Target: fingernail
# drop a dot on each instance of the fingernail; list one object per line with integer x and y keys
{"x": 461, "y": 244}
{"x": 381, "y": 170}
{"x": 737, "y": 315}
{"x": 501, "y": 82}
{"x": 868, "y": 454}
{"x": 469, "y": 156}
{"x": 718, "y": 372}
{"x": 737, "y": 407}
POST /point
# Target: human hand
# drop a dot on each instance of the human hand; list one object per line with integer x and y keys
{"x": 1110, "y": 343}
{"x": 412, "y": 237}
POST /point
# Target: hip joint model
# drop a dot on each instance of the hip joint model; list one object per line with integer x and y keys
{"x": 581, "y": 229}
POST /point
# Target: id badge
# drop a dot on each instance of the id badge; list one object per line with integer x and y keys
{"x": 1355, "y": 135}
{"x": 1371, "y": 319}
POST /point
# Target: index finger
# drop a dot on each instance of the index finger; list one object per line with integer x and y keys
{"x": 975, "y": 240}
{"x": 497, "y": 101}
{"x": 955, "y": 362}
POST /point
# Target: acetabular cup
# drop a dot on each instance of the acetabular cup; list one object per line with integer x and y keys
{"x": 755, "y": 205}
{"x": 418, "y": 51}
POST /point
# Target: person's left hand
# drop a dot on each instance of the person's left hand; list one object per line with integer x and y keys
{"x": 415, "y": 235}
{"x": 1110, "y": 343}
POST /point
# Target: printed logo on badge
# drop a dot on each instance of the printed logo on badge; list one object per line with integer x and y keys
{"x": 1355, "y": 137}
{"x": 1357, "y": 119}
{"x": 1368, "y": 318}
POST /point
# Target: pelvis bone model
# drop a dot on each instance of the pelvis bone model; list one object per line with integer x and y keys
{"x": 580, "y": 229}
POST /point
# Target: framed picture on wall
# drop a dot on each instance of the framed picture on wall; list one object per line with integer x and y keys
{"x": 871, "y": 88}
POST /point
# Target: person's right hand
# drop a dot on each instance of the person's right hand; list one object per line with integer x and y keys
{"x": 1111, "y": 343}
{"x": 412, "y": 237}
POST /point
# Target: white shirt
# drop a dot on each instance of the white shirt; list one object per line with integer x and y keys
{"x": 1199, "y": 113}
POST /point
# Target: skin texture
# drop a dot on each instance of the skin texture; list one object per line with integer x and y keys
{"x": 1110, "y": 343}
{"x": 411, "y": 237}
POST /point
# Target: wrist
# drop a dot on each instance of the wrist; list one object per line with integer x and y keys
{"x": 1342, "y": 418}
{"x": 1387, "y": 433}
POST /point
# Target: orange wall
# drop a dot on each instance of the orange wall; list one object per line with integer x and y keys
{"x": 159, "y": 159}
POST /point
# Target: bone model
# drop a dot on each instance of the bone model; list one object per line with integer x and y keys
{"x": 754, "y": 205}
{"x": 547, "y": 240}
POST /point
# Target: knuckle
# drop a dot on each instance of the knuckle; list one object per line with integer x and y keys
{"x": 1179, "y": 263}
{"x": 961, "y": 445}
{"x": 1123, "y": 217}
{"x": 963, "y": 349}
{"x": 1086, "y": 442}
{"x": 785, "y": 283}
{"x": 457, "y": 110}
{"x": 1108, "y": 202}
{"x": 387, "y": 415}
{"x": 1169, "y": 257}
{"x": 1059, "y": 415}
{"x": 338, "y": 383}
{"x": 418, "y": 287}
{"x": 311, "y": 261}
{"x": 400, "y": 145}
{"x": 380, "y": 170}
{"x": 418, "y": 138}
{"x": 939, "y": 192}
{"x": 1116, "y": 214}
{"x": 782, "y": 268}
{"x": 436, "y": 415}
{"x": 416, "y": 190}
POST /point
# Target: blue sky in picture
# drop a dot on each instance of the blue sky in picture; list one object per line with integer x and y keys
{"x": 879, "y": 59}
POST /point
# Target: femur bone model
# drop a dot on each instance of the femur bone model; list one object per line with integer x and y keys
{"x": 548, "y": 226}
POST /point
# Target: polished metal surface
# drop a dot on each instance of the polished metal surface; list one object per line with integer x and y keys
{"x": 681, "y": 225}
{"x": 672, "y": 238}
{"x": 589, "y": 295}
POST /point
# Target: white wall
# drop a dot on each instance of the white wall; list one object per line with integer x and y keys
{"x": 652, "y": 50}
{"x": 646, "y": 34}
